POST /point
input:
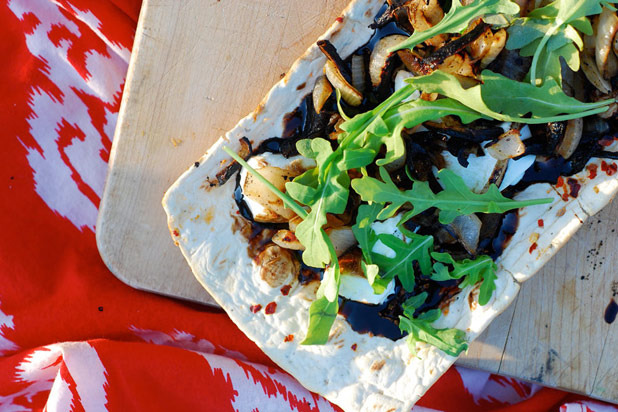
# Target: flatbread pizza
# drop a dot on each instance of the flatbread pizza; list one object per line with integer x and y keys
{"x": 383, "y": 203}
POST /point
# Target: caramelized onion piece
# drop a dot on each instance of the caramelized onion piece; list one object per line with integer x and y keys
{"x": 508, "y": 146}
{"x": 496, "y": 47}
{"x": 358, "y": 72}
{"x": 351, "y": 96}
{"x": 342, "y": 238}
{"x": 468, "y": 230}
{"x": 274, "y": 210}
{"x": 572, "y": 136}
{"x": 593, "y": 75}
{"x": 380, "y": 56}
{"x": 277, "y": 266}
{"x": 414, "y": 63}
{"x": 287, "y": 239}
{"x": 607, "y": 27}
{"x": 611, "y": 112}
{"x": 458, "y": 64}
{"x": 294, "y": 222}
{"x": 424, "y": 15}
{"x": 497, "y": 176}
{"x": 480, "y": 47}
{"x": 321, "y": 93}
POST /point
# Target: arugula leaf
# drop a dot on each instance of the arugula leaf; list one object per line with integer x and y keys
{"x": 550, "y": 32}
{"x": 402, "y": 265}
{"x": 323, "y": 198}
{"x": 323, "y": 310}
{"x": 457, "y": 20}
{"x": 380, "y": 269}
{"x": 322, "y": 314}
{"x": 480, "y": 269}
{"x": 287, "y": 200}
{"x": 455, "y": 200}
{"x": 325, "y": 189}
{"x": 503, "y": 99}
{"x": 365, "y": 236}
{"x": 419, "y": 329}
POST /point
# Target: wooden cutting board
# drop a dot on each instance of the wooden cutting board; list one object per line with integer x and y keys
{"x": 200, "y": 66}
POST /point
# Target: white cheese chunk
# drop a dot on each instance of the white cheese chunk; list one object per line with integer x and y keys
{"x": 389, "y": 226}
{"x": 525, "y": 133}
{"x": 515, "y": 170}
{"x": 478, "y": 172}
{"x": 269, "y": 159}
{"x": 400, "y": 78}
{"x": 357, "y": 288}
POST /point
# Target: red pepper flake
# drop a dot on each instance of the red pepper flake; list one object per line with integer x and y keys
{"x": 592, "y": 170}
{"x": 532, "y": 248}
{"x": 176, "y": 232}
{"x": 560, "y": 181}
{"x": 607, "y": 140}
{"x": 339, "y": 19}
{"x": 354, "y": 346}
{"x": 540, "y": 223}
{"x": 286, "y": 289}
{"x": 288, "y": 338}
{"x": 255, "y": 308}
{"x": 565, "y": 196}
{"x": 609, "y": 169}
{"x": 574, "y": 187}
{"x": 270, "y": 308}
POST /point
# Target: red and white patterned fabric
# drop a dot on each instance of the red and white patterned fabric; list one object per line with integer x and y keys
{"x": 73, "y": 337}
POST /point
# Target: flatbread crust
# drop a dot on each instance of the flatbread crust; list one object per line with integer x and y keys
{"x": 356, "y": 371}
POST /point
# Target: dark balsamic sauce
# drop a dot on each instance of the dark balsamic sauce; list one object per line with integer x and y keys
{"x": 308, "y": 274}
{"x": 497, "y": 231}
{"x": 364, "y": 318}
{"x": 610, "y": 312}
{"x": 243, "y": 208}
{"x": 390, "y": 28}
{"x": 507, "y": 229}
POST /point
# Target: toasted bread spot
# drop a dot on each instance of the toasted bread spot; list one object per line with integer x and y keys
{"x": 209, "y": 216}
{"x": 377, "y": 365}
{"x": 258, "y": 110}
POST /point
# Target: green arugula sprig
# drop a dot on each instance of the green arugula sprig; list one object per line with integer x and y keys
{"x": 325, "y": 189}
{"x": 504, "y": 99}
{"x": 417, "y": 248}
{"x": 420, "y": 329}
{"x": 458, "y": 19}
{"x": 455, "y": 200}
{"x": 482, "y": 269}
{"x": 323, "y": 310}
{"x": 551, "y": 32}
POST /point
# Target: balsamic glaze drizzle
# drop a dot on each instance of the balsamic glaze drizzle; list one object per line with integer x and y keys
{"x": 497, "y": 229}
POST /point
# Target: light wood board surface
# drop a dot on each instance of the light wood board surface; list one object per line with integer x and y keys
{"x": 200, "y": 66}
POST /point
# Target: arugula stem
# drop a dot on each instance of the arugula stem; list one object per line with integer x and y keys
{"x": 560, "y": 118}
{"x": 287, "y": 200}
{"x": 539, "y": 49}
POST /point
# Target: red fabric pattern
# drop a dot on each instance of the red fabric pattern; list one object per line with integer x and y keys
{"x": 73, "y": 337}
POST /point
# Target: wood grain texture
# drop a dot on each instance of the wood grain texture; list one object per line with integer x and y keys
{"x": 197, "y": 68}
